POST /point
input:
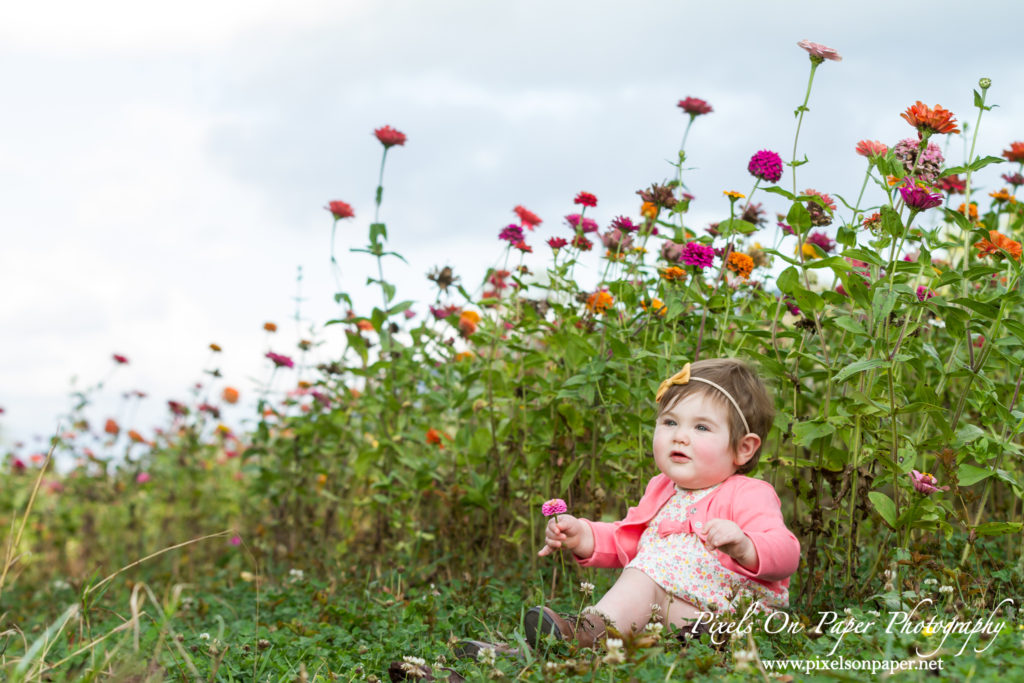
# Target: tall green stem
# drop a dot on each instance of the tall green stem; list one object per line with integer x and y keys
{"x": 800, "y": 118}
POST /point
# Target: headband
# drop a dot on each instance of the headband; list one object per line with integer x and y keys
{"x": 683, "y": 377}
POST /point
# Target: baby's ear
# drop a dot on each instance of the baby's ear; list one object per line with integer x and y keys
{"x": 746, "y": 448}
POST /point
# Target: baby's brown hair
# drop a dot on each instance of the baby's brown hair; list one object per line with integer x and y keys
{"x": 749, "y": 392}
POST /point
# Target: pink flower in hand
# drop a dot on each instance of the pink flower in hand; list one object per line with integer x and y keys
{"x": 925, "y": 483}
{"x": 555, "y": 506}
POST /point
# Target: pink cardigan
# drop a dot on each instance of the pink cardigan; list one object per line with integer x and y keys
{"x": 751, "y": 503}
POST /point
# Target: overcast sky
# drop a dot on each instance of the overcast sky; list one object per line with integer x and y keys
{"x": 165, "y": 165}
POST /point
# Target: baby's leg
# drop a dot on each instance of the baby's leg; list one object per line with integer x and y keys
{"x": 677, "y": 613}
{"x": 627, "y": 604}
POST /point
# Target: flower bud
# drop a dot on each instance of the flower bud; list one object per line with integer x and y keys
{"x": 985, "y": 83}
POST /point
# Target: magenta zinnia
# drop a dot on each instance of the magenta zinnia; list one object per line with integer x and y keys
{"x": 766, "y": 165}
{"x": 585, "y": 199}
{"x": 280, "y": 360}
{"x": 511, "y": 233}
{"x": 555, "y": 506}
{"x": 389, "y": 137}
{"x": 822, "y": 240}
{"x": 557, "y": 243}
{"x": 694, "y": 106}
{"x": 918, "y": 198}
{"x": 624, "y": 224}
{"x": 696, "y": 254}
{"x": 577, "y": 221}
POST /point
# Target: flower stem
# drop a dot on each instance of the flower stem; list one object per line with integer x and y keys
{"x": 800, "y": 119}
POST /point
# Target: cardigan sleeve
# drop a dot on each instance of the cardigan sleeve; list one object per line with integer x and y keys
{"x": 614, "y": 548}
{"x": 758, "y": 512}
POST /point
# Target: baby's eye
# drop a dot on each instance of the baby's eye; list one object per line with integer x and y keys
{"x": 668, "y": 422}
{"x": 703, "y": 428}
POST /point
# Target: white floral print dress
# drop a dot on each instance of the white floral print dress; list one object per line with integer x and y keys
{"x": 673, "y": 554}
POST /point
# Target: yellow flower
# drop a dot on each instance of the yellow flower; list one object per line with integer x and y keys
{"x": 640, "y": 250}
{"x": 808, "y": 250}
{"x": 657, "y": 305}
{"x": 734, "y": 194}
{"x": 674, "y": 274}
{"x": 649, "y": 210}
{"x": 463, "y": 355}
{"x": 928, "y": 630}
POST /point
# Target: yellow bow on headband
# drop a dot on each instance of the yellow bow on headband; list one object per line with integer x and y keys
{"x": 681, "y": 377}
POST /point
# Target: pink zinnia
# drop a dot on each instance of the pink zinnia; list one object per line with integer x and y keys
{"x": 511, "y": 233}
{"x": 142, "y": 477}
{"x": 624, "y": 224}
{"x": 555, "y": 506}
{"x": 120, "y": 360}
{"x": 694, "y": 106}
{"x": 236, "y": 540}
{"x": 819, "y": 52}
{"x": 577, "y": 221}
{"x": 527, "y": 218}
{"x": 923, "y": 293}
{"x": 925, "y": 483}
{"x": 280, "y": 360}
{"x": 871, "y": 148}
{"x": 585, "y": 199}
{"x": 918, "y": 198}
{"x": 340, "y": 210}
{"x": 766, "y": 165}
{"x": 389, "y": 137}
{"x": 1015, "y": 179}
{"x": 442, "y": 312}
{"x": 557, "y": 243}
{"x": 696, "y": 254}
{"x": 822, "y": 240}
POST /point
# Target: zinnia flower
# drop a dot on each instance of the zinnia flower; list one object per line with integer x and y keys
{"x": 585, "y": 199}
{"x": 766, "y": 165}
{"x": 873, "y": 221}
{"x": 1015, "y": 152}
{"x": 649, "y": 210}
{"x": 918, "y": 198}
{"x": 672, "y": 251}
{"x": 576, "y": 221}
{"x": 820, "y": 215}
{"x": 230, "y": 395}
{"x": 928, "y": 167}
{"x": 582, "y": 243}
{"x": 280, "y": 360}
{"x": 142, "y": 477}
{"x": 215, "y": 348}
{"x": 952, "y": 184}
{"x": 177, "y": 408}
{"x": 527, "y": 218}
{"x": 434, "y": 437}
{"x": 819, "y": 52}
{"x": 923, "y": 293}
{"x": 555, "y": 506}
{"x": 511, "y": 233}
{"x": 600, "y": 301}
{"x": 1002, "y": 195}
{"x": 111, "y": 427}
{"x": 740, "y": 263}
{"x": 616, "y": 240}
{"x": 389, "y": 137}
{"x": 557, "y": 243}
{"x": 971, "y": 212}
{"x": 674, "y": 274}
{"x": 996, "y": 244}
{"x": 120, "y": 360}
{"x": 1015, "y": 179}
{"x": 136, "y": 437}
{"x": 929, "y": 121}
{"x": 871, "y": 148}
{"x": 523, "y": 247}
{"x": 442, "y": 312}
{"x": 624, "y": 224}
{"x": 340, "y": 210}
{"x": 270, "y": 327}
{"x": 657, "y": 305}
{"x": 696, "y": 254}
{"x": 468, "y": 322}
{"x": 822, "y": 240}
{"x": 733, "y": 194}
{"x": 925, "y": 483}
{"x": 694, "y": 106}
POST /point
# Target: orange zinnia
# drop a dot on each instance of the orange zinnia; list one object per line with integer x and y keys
{"x": 365, "y": 325}
{"x": 136, "y": 437}
{"x": 996, "y": 244}
{"x": 1002, "y": 195}
{"x": 1015, "y": 153}
{"x": 230, "y": 395}
{"x": 270, "y": 327}
{"x": 740, "y": 263}
{"x": 674, "y": 274}
{"x": 649, "y": 210}
{"x": 973, "y": 210}
{"x": 599, "y": 302}
{"x": 656, "y": 305}
{"x": 930, "y": 120}
{"x": 111, "y": 427}
{"x": 468, "y": 322}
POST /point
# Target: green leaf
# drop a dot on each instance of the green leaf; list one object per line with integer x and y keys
{"x": 804, "y": 433}
{"x": 571, "y": 473}
{"x": 788, "y": 280}
{"x": 968, "y": 475}
{"x": 778, "y": 190}
{"x": 377, "y": 230}
{"x": 1015, "y": 328}
{"x": 980, "y": 307}
{"x": 836, "y": 263}
{"x": 737, "y": 224}
{"x": 981, "y": 163}
{"x": 882, "y": 302}
{"x": 799, "y": 217}
{"x": 864, "y": 255}
{"x": 886, "y": 508}
{"x": 998, "y": 528}
{"x": 979, "y": 101}
{"x": 859, "y": 366}
{"x": 850, "y": 325}
{"x": 808, "y": 301}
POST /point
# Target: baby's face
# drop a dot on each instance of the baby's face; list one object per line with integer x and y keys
{"x": 691, "y": 443}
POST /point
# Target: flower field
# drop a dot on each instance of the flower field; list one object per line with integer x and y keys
{"x": 356, "y": 517}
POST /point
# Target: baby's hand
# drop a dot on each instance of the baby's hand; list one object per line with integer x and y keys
{"x": 727, "y": 536}
{"x": 568, "y": 531}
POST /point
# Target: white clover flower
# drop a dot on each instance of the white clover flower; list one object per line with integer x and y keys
{"x": 487, "y": 656}
{"x": 418, "y": 661}
{"x": 655, "y": 628}
{"x": 586, "y": 588}
{"x": 874, "y": 613}
{"x": 296, "y": 575}
{"x": 60, "y": 584}
{"x": 614, "y": 657}
{"x": 204, "y": 636}
{"x": 655, "y": 608}
{"x": 929, "y": 582}
{"x": 848, "y": 612}
{"x": 613, "y": 644}
{"x": 414, "y": 666}
{"x": 743, "y": 658}
{"x": 945, "y": 589}
{"x": 551, "y": 666}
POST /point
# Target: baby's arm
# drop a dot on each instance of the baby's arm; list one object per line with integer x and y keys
{"x": 776, "y": 551}
{"x": 727, "y": 536}
{"x": 573, "y": 533}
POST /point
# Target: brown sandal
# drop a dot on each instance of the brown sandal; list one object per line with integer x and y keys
{"x": 541, "y": 621}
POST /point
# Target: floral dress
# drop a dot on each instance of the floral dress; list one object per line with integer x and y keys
{"x": 672, "y": 553}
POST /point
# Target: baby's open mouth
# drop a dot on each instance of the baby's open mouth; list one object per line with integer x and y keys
{"x": 676, "y": 456}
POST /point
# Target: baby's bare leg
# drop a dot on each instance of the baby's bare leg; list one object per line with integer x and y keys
{"x": 677, "y": 613}
{"x": 627, "y": 604}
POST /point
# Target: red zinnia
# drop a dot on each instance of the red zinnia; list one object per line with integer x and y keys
{"x": 930, "y": 120}
{"x": 120, "y": 360}
{"x": 389, "y": 137}
{"x": 557, "y": 242}
{"x": 527, "y": 217}
{"x": 585, "y": 199}
{"x": 1015, "y": 153}
{"x": 340, "y": 210}
{"x": 694, "y": 106}
{"x": 434, "y": 437}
